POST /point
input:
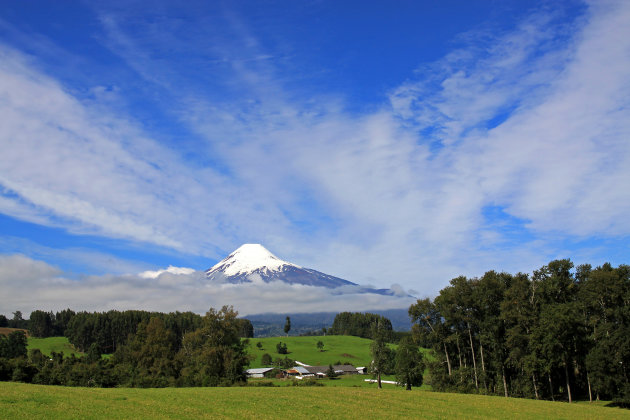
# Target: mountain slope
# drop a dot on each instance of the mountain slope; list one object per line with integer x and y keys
{"x": 254, "y": 263}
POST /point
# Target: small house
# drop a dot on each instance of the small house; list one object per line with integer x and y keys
{"x": 339, "y": 370}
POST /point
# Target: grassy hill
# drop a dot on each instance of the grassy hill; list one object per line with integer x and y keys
{"x": 50, "y": 344}
{"x": 38, "y": 402}
{"x": 336, "y": 348}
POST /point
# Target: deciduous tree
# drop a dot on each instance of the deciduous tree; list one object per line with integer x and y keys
{"x": 409, "y": 364}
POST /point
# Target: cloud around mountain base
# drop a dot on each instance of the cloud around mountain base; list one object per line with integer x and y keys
{"x": 29, "y": 284}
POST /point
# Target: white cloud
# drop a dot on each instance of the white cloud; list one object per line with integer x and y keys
{"x": 28, "y": 284}
{"x": 66, "y": 163}
{"x": 535, "y": 122}
{"x": 557, "y": 159}
{"x": 171, "y": 270}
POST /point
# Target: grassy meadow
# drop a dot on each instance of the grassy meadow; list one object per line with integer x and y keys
{"x": 347, "y": 397}
{"x": 19, "y": 401}
{"x": 50, "y": 344}
{"x": 304, "y": 349}
{"x": 337, "y": 348}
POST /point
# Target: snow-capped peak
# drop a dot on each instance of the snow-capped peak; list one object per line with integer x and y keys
{"x": 247, "y": 259}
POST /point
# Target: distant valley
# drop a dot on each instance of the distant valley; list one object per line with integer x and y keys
{"x": 272, "y": 324}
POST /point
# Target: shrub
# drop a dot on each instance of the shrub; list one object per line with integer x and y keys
{"x": 266, "y": 359}
{"x": 281, "y": 348}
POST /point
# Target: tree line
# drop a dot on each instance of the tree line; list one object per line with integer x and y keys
{"x": 557, "y": 334}
{"x": 210, "y": 354}
{"x": 109, "y": 330}
{"x": 406, "y": 362}
{"x": 360, "y": 324}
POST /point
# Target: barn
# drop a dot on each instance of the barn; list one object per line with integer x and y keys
{"x": 257, "y": 372}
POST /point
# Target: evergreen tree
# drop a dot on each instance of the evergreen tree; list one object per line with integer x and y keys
{"x": 41, "y": 324}
{"x": 330, "y": 373}
{"x": 359, "y": 324}
{"x": 14, "y": 345}
{"x": 287, "y": 326}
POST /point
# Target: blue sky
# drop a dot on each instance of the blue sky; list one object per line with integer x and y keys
{"x": 386, "y": 143}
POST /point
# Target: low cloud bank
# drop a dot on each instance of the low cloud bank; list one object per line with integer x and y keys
{"x": 28, "y": 284}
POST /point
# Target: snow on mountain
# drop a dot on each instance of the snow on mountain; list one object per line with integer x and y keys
{"x": 252, "y": 263}
{"x": 248, "y": 259}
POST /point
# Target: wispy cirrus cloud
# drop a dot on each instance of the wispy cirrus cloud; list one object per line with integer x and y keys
{"x": 67, "y": 164}
{"x": 530, "y": 125}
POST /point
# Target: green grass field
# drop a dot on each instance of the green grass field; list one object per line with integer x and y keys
{"x": 347, "y": 397}
{"x": 50, "y": 344}
{"x": 337, "y": 348}
{"x": 21, "y": 401}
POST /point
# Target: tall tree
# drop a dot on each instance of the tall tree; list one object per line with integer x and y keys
{"x": 287, "y": 326}
{"x": 41, "y": 324}
{"x": 488, "y": 294}
{"x": 605, "y": 299}
{"x": 381, "y": 354}
{"x": 429, "y": 329}
{"x": 409, "y": 365}
{"x": 246, "y": 329}
{"x": 519, "y": 313}
{"x": 559, "y": 325}
{"x": 456, "y": 305}
{"x": 17, "y": 321}
{"x": 62, "y": 319}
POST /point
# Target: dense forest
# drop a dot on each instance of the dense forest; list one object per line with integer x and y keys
{"x": 557, "y": 334}
{"x": 109, "y": 330}
{"x": 161, "y": 350}
{"x": 359, "y": 324}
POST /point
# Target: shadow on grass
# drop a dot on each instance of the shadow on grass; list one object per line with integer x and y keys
{"x": 618, "y": 404}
